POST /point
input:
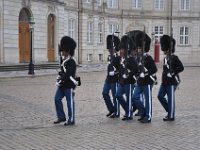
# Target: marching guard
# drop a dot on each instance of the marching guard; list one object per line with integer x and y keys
{"x": 172, "y": 66}
{"x": 127, "y": 73}
{"x": 146, "y": 78}
{"x": 111, "y": 81}
{"x": 66, "y": 81}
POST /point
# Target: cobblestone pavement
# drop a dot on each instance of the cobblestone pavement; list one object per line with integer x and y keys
{"x": 27, "y": 112}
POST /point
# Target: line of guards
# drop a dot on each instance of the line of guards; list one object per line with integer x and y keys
{"x": 131, "y": 75}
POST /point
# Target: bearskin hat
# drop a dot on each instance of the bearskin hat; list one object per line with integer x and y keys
{"x": 127, "y": 44}
{"x": 133, "y": 34}
{"x": 142, "y": 38}
{"x": 116, "y": 41}
{"x": 67, "y": 44}
{"x": 166, "y": 44}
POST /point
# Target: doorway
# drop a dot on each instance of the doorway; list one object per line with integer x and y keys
{"x": 24, "y": 36}
{"x": 51, "y": 38}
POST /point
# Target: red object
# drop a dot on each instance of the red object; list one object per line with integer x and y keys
{"x": 157, "y": 52}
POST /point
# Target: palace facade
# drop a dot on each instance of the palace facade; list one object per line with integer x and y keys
{"x": 89, "y": 22}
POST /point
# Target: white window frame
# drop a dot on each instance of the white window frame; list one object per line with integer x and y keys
{"x": 159, "y": 4}
{"x": 112, "y": 3}
{"x": 99, "y": 2}
{"x": 71, "y": 28}
{"x": 185, "y": 5}
{"x": 158, "y": 32}
{"x": 136, "y": 4}
{"x": 100, "y": 33}
{"x": 88, "y": 1}
{"x": 89, "y": 31}
{"x": 184, "y": 35}
{"x": 89, "y": 57}
{"x": 112, "y": 28}
{"x": 100, "y": 57}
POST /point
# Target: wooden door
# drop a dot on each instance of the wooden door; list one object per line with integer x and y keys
{"x": 51, "y": 30}
{"x": 24, "y": 42}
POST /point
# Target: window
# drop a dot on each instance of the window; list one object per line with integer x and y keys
{"x": 112, "y": 3}
{"x": 89, "y": 57}
{"x": 100, "y": 33}
{"x": 88, "y": 1}
{"x": 113, "y": 28}
{"x": 158, "y": 30}
{"x": 71, "y": 28}
{"x": 100, "y": 57}
{"x": 185, "y": 4}
{"x": 98, "y": 2}
{"x": 89, "y": 31}
{"x": 136, "y": 4}
{"x": 184, "y": 33}
{"x": 159, "y": 4}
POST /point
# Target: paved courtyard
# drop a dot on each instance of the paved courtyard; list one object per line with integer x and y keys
{"x": 27, "y": 112}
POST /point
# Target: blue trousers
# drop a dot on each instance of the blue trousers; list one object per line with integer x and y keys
{"x": 111, "y": 103}
{"x": 126, "y": 104}
{"x": 169, "y": 102}
{"x": 144, "y": 109}
{"x": 69, "y": 94}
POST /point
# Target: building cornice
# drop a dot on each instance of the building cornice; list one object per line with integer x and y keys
{"x": 58, "y": 2}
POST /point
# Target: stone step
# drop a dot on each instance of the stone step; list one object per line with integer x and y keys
{"x": 19, "y": 67}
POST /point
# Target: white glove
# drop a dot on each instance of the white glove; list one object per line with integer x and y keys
{"x": 73, "y": 80}
{"x": 169, "y": 75}
{"x": 111, "y": 73}
{"x": 124, "y": 76}
{"x": 142, "y": 75}
{"x": 58, "y": 83}
{"x": 58, "y": 77}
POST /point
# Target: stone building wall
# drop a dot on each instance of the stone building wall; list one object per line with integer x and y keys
{"x": 125, "y": 16}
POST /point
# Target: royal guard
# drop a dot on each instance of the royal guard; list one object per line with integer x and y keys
{"x": 111, "y": 81}
{"x": 127, "y": 76}
{"x": 172, "y": 66}
{"x": 146, "y": 77}
{"x": 66, "y": 81}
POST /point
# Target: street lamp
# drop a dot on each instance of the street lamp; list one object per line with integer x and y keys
{"x": 31, "y": 65}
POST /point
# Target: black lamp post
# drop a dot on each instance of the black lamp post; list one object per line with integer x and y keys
{"x": 31, "y": 65}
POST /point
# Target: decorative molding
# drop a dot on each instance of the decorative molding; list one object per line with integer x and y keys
{"x": 51, "y": 8}
{"x": 26, "y": 3}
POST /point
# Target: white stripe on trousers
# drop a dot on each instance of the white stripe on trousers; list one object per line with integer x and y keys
{"x": 116, "y": 85}
{"x": 172, "y": 102}
{"x": 150, "y": 100}
{"x": 130, "y": 98}
{"x": 71, "y": 104}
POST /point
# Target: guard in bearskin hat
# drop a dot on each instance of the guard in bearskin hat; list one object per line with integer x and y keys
{"x": 127, "y": 75}
{"x": 146, "y": 77}
{"x": 111, "y": 81}
{"x": 172, "y": 66}
{"x": 66, "y": 81}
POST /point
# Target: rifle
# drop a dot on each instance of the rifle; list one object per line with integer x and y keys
{"x": 60, "y": 60}
{"x": 141, "y": 62}
{"x": 112, "y": 48}
{"x": 112, "y": 44}
{"x": 171, "y": 37}
{"x": 127, "y": 47}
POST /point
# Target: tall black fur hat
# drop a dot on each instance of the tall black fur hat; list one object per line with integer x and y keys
{"x": 116, "y": 42}
{"x": 67, "y": 44}
{"x": 165, "y": 43}
{"x": 126, "y": 43}
{"x": 132, "y": 34}
{"x": 141, "y": 38}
